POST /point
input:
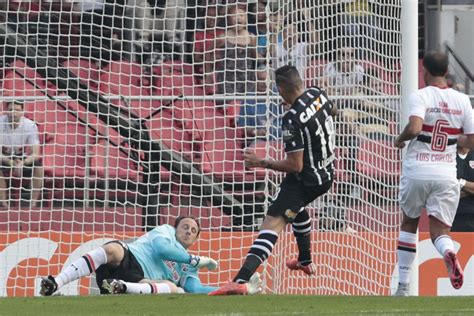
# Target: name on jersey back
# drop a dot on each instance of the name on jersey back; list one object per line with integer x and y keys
{"x": 443, "y": 108}
{"x": 428, "y": 157}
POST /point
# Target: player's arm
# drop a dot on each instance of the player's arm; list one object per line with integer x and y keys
{"x": 194, "y": 285}
{"x": 5, "y": 159}
{"x": 33, "y": 141}
{"x": 35, "y": 154}
{"x": 294, "y": 148}
{"x": 467, "y": 187}
{"x": 417, "y": 106}
{"x": 165, "y": 249}
{"x": 293, "y": 162}
{"x": 466, "y": 141}
{"x": 412, "y": 130}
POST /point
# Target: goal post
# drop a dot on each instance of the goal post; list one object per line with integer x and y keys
{"x": 143, "y": 109}
{"x": 409, "y": 84}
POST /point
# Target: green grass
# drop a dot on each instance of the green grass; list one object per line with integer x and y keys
{"x": 236, "y": 305}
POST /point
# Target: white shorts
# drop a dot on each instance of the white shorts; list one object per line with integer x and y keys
{"x": 440, "y": 197}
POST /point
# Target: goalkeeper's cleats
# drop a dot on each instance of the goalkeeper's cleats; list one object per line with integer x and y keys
{"x": 293, "y": 264}
{"x": 403, "y": 289}
{"x": 456, "y": 275}
{"x": 254, "y": 286}
{"x": 113, "y": 286}
{"x": 48, "y": 286}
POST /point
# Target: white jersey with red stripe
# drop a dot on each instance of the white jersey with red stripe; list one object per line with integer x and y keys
{"x": 446, "y": 114}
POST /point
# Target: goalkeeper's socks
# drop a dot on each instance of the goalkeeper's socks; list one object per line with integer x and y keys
{"x": 302, "y": 231}
{"x": 259, "y": 252}
{"x": 443, "y": 243}
{"x": 406, "y": 255}
{"x": 81, "y": 267}
{"x": 147, "y": 288}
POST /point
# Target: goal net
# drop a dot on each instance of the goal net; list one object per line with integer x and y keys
{"x": 141, "y": 110}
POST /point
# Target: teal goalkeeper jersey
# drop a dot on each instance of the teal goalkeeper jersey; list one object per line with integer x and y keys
{"x": 162, "y": 257}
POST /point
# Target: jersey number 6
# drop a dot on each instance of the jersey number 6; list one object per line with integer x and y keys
{"x": 440, "y": 138}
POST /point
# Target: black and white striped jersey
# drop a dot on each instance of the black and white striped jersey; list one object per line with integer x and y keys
{"x": 308, "y": 126}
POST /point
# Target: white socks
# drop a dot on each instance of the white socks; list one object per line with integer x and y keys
{"x": 81, "y": 267}
{"x": 443, "y": 243}
{"x": 147, "y": 288}
{"x": 406, "y": 255}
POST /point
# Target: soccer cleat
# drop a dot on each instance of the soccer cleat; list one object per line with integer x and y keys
{"x": 231, "y": 288}
{"x": 113, "y": 286}
{"x": 403, "y": 289}
{"x": 255, "y": 284}
{"x": 293, "y": 264}
{"x": 456, "y": 275}
{"x": 48, "y": 286}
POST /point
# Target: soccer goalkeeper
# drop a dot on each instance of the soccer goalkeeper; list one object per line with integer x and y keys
{"x": 156, "y": 263}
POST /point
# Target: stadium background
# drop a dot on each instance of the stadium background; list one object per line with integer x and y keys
{"x": 136, "y": 130}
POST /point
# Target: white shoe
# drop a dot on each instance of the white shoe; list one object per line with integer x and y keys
{"x": 255, "y": 284}
{"x": 403, "y": 289}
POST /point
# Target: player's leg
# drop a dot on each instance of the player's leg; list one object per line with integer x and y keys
{"x": 412, "y": 200}
{"x": 406, "y": 253}
{"x": 262, "y": 247}
{"x": 282, "y": 210}
{"x": 301, "y": 226}
{"x": 285, "y": 207}
{"x": 441, "y": 208}
{"x": 115, "y": 279}
{"x": 37, "y": 182}
{"x": 111, "y": 253}
{"x": 4, "y": 169}
{"x": 260, "y": 251}
{"x": 114, "y": 286}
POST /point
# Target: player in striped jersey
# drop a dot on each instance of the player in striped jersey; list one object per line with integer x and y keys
{"x": 308, "y": 134}
{"x": 438, "y": 116}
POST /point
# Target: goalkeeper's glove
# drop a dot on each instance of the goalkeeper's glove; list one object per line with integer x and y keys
{"x": 203, "y": 262}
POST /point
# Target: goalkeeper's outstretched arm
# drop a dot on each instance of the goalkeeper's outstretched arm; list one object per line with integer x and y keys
{"x": 194, "y": 285}
{"x": 165, "y": 249}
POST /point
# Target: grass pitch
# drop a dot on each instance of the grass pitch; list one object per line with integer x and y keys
{"x": 236, "y": 305}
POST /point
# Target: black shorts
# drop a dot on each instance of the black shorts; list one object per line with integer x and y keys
{"x": 463, "y": 223}
{"x": 293, "y": 195}
{"x": 129, "y": 269}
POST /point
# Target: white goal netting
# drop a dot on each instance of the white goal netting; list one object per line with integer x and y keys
{"x": 142, "y": 109}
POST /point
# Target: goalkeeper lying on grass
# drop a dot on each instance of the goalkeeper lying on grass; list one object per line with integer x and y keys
{"x": 157, "y": 262}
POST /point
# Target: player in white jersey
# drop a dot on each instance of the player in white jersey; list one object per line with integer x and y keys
{"x": 157, "y": 262}
{"x": 438, "y": 116}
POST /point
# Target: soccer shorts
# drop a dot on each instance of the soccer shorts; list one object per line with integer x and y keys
{"x": 293, "y": 195}
{"x": 129, "y": 270}
{"x": 440, "y": 197}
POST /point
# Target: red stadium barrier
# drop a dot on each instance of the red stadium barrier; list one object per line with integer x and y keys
{"x": 353, "y": 268}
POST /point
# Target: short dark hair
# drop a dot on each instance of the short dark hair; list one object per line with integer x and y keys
{"x": 15, "y": 102}
{"x": 180, "y": 218}
{"x": 436, "y": 63}
{"x": 288, "y": 78}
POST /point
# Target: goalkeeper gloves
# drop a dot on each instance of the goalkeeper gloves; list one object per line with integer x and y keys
{"x": 203, "y": 262}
